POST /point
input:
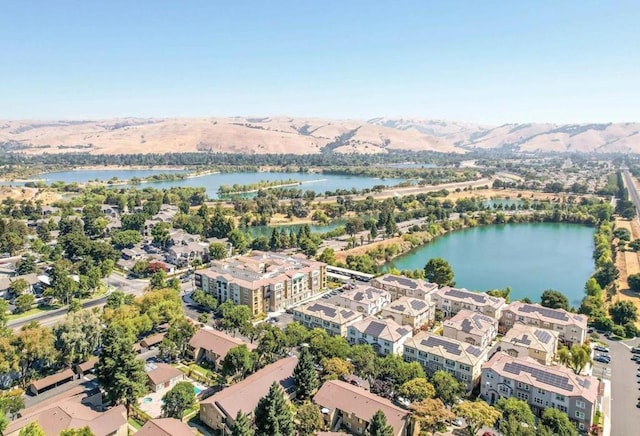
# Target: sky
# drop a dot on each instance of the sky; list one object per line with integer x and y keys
{"x": 487, "y": 61}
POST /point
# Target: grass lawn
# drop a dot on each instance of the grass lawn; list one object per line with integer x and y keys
{"x": 34, "y": 311}
{"x": 202, "y": 370}
{"x": 135, "y": 424}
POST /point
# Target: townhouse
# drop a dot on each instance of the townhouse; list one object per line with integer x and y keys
{"x": 452, "y": 300}
{"x": 212, "y": 346}
{"x": 400, "y": 286}
{"x": 571, "y": 327}
{"x": 333, "y": 319}
{"x": 474, "y": 328}
{"x": 541, "y": 386}
{"x": 437, "y": 353}
{"x": 385, "y": 335}
{"x": 524, "y": 340}
{"x": 365, "y": 300}
{"x": 410, "y": 311}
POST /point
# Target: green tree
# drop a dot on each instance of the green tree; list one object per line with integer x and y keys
{"x": 78, "y": 336}
{"x": 379, "y": 426}
{"x": 180, "y": 398}
{"x": 239, "y": 362}
{"x": 32, "y": 429}
{"x": 554, "y": 300}
{"x": 335, "y": 367}
{"x": 217, "y": 251}
{"x": 477, "y": 414}
{"x": 308, "y": 419}
{"x": 27, "y": 265}
{"x": 241, "y": 425}
{"x": 328, "y": 256}
{"x": 118, "y": 370}
{"x": 576, "y": 358}
{"x": 33, "y": 344}
{"x": 233, "y": 317}
{"x": 634, "y": 282}
{"x": 307, "y": 381}
{"x": 273, "y": 415}
{"x": 84, "y": 431}
{"x": 24, "y": 302}
{"x": 431, "y": 414}
{"x": 623, "y": 312}
{"x": 19, "y": 286}
{"x": 517, "y": 418}
{"x": 158, "y": 280}
{"x": 160, "y": 234}
{"x": 593, "y": 289}
{"x": 126, "y": 238}
{"x": 417, "y": 389}
{"x": 438, "y": 271}
{"x": 557, "y": 423}
{"x": 295, "y": 334}
{"x": 447, "y": 387}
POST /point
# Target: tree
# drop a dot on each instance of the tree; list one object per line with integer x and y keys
{"x": 335, "y": 367}
{"x": 556, "y": 423}
{"x": 623, "y": 312}
{"x": 175, "y": 341}
{"x": 517, "y": 418}
{"x": 32, "y": 429}
{"x": 33, "y": 345}
{"x": 239, "y": 362}
{"x": 431, "y": 414}
{"x": 19, "y": 286}
{"x": 438, "y": 271}
{"x": 27, "y": 265}
{"x": 273, "y": 416}
{"x": 447, "y": 387}
{"x": 126, "y": 238}
{"x": 180, "y": 398}
{"x": 417, "y": 389}
{"x": 78, "y": 336}
{"x": 306, "y": 376}
{"x": 379, "y": 426}
{"x": 160, "y": 234}
{"x": 158, "y": 280}
{"x": 84, "y": 431}
{"x": 363, "y": 359}
{"x": 575, "y": 358}
{"x": 234, "y": 317}
{"x": 477, "y": 414}
{"x": 295, "y": 334}
{"x": 554, "y": 300}
{"x": 634, "y": 282}
{"x": 308, "y": 419}
{"x": 118, "y": 370}
{"x": 593, "y": 289}
{"x": 241, "y": 425}
{"x": 217, "y": 251}
{"x": 24, "y": 302}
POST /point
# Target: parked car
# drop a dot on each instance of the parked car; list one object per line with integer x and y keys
{"x": 601, "y": 348}
{"x": 635, "y": 350}
{"x": 602, "y": 358}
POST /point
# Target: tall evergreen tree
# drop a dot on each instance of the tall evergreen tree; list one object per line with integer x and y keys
{"x": 306, "y": 376}
{"x": 242, "y": 426}
{"x": 379, "y": 426}
{"x": 272, "y": 415}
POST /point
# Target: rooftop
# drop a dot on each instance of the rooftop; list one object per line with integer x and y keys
{"x": 215, "y": 341}
{"x": 545, "y": 314}
{"x": 407, "y": 306}
{"x": 407, "y": 283}
{"x": 471, "y": 322}
{"x": 160, "y": 373}
{"x": 532, "y": 337}
{"x": 446, "y": 347}
{"x": 366, "y": 295}
{"x": 463, "y": 295}
{"x": 329, "y": 312}
{"x": 165, "y": 427}
{"x": 386, "y": 329}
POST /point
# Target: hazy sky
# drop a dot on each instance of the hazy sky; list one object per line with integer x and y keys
{"x": 484, "y": 61}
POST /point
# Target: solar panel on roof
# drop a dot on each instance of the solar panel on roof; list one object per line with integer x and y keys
{"x": 474, "y": 351}
{"x": 374, "y": 328}
{"x": 543, "y": 336}
{"x": 403, "y": 331}
{"x": 523, "y": 340}
{"x": 458, "y": 293}
{"x": 450, "y": 347}
{"x": 544, "y": 311}
{"x": 558, "y": 381}
{"x": 398, "y": 307}
{"x": 418, "y": 304}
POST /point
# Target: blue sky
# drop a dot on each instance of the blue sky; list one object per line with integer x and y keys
{"x": 483, "y": 61}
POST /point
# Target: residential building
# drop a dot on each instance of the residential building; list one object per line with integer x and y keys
{"x": 44, "y": 384}
{"x": 474, "y": 328}
{"x": 219, "y": 411}
{"x": 162, "y": 376}
{"x": 524, "y": 340}
{"x": 437, "y": 353}
{"x": 346, "y": 406}
{"x": 385, "y": 335}
{"x": 541, "y": 386}
{"x": 365, "y": 300}
{"x": 452, "y": 300}
{"x": 183, "y": 255}
{"x": 31, "y": 279}
{"x": 333, "y": 319}
{"x": 571, "y": 327}
{"x": 263, "y": 281}
{"x": 400, "y": 286}
{"x": 165, "y": 427}
{"x": 212, "y": 346}
{"x": 411, "y": 311}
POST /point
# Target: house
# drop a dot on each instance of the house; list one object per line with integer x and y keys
{"x": 165, "y": 427}
{"x": 110, "y": 210}
{"x": 73, "y": 412}
{"x": 87, "y": 367}
{"x": 437, "y": 353}
{"x": 385, "y": 335}
{"x": 333, "y": 319}
{"x": 524, "y": 340}
{"x": 400, "y": 286}
{"x": 541, "y": 386}
{"x": 346, "y": 406}
{"x": 452, "y": 300}
{"x": 263, "y": 281}
{"x": 571, "y": 327}
{"x": 212, "y": 346}
{"x": 44, "y": 384}
{"x": 152, "y": 340}
{"x": 219, "y": 411}
{"x": 474, "y": 328}
{"x": 32, "y": 284}
{"x": 182, "y": 255}
{"x": 365, "y": 300}
{"x": 162, "y": 376}
{"x": 180, "y": 237}
{"x": 134, "y": 253}
{"x": 411, "y": 311}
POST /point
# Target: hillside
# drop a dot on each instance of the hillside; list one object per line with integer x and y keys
{"x": 309, "y": 136}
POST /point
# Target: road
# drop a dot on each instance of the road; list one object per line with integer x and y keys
{"x": 631, "y": 188}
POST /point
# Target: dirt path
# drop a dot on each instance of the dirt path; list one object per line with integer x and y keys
{"x": 628, "y": 262}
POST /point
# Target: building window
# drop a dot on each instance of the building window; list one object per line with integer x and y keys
{"x": 579, "y": 415}
{"x": 523, "y": 386}
{"x": 541, "y": 391}
{"x": 504, "y": 389}
{"x": 537, "y": 400}
{"x": 523, "y": 396}
{"x": 560, "y": 397}
{"x": 580, "y": 404}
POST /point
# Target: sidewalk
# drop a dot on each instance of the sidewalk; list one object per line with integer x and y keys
{"x": 606, "y": 409}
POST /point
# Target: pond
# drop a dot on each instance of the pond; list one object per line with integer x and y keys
{"x": 529, "y": 258}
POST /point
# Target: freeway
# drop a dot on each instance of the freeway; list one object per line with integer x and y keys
{"x": 631, "y": 188}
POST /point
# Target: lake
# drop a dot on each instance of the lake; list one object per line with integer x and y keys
{"x": 529, "y": 258}
{"x": 83, "y": 176}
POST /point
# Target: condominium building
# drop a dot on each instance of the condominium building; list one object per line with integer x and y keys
{"x": 329, "y": 317}
{"x": 541, "y": 386}
{"x": 452, "y": 300}
{"x": 524, "y": 340}
{"x": 474, "y": 328}
{"x": 263, "y": 281}
{"x": 365, "y": 300}
{"x": 410, "y": 311}
{"x": 385, "y": 335}
{"x": 437, "y": 353}
{"x": 571, "y": 327}
{"x": 400, "y": 286}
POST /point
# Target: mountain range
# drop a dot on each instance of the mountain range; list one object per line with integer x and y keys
{"x": 251, "y": 135}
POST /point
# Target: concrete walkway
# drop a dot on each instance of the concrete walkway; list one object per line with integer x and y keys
{"x": 606, "y": 409}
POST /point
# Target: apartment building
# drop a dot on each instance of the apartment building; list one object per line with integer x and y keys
{"x": 541, "y": 386}
{"x": 331, "y": 318}
{"x": 365, "y": 300}
{"x": 436, "y": 353}
{"x": 263, "y": 281}
{"x": 452, "y": 300}
{"x": 474, "y": 328}
{"x": 409, "y": 311}
{"x": 524, "y": 340}
{"x": 385, "y": 335}
{"x": 400, "y": 286}
{"x": 571, "y": 327}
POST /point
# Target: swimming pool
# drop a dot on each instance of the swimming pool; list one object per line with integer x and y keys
{"x": 196, "y": 389}
{"x": 147, "y": 400}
